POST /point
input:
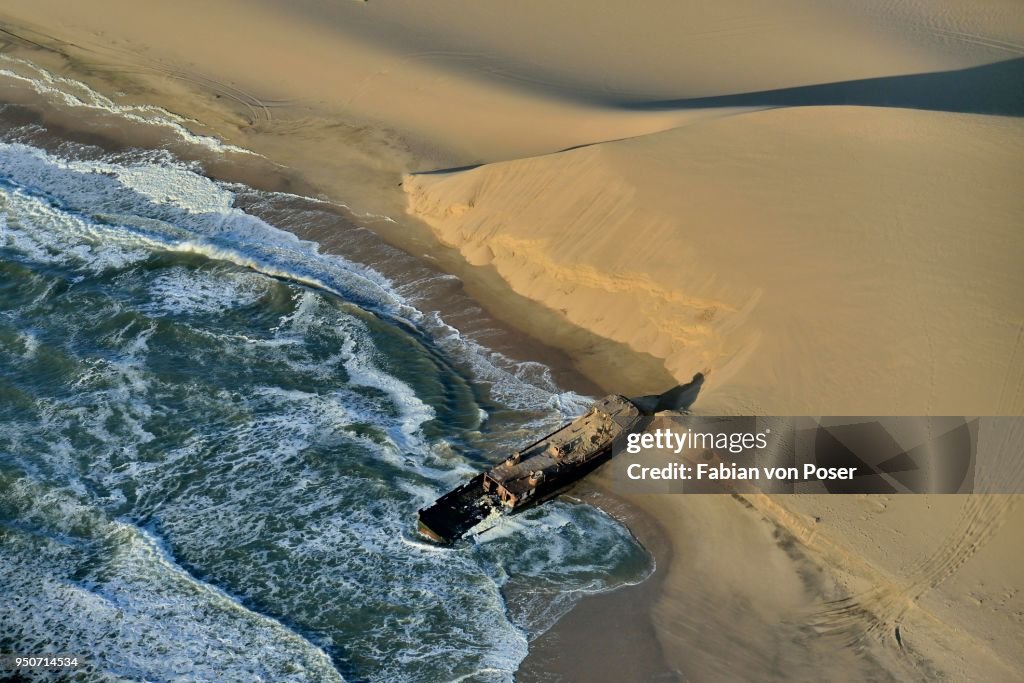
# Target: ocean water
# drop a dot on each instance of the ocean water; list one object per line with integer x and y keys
{"x": 214, "y": 438}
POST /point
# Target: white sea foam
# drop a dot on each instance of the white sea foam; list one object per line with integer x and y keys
{"x": 363, "y": 216}
{"x": 217, "y": 230}
{"x": 199, "y": 219}
{"x": 106, "y": 591}
{"x": 30, "y": 343}
{"x": 513, "y": 383}
{"x": 296, "y": 497}
{"x": 181, "y": 290}
{"x": 523, "y": 385}
{"x": 69, "y": 93}
{"x": 414, "y": 412}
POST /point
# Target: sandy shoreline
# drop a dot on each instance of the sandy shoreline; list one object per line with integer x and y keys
{"x": 332, "y": 115}
{"x": 609, "y": 636}
{"x": 852, "y": 250}
{"x": 340, "y": 232}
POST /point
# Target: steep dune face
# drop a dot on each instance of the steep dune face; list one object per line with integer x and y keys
{"x": 857, "y": 258}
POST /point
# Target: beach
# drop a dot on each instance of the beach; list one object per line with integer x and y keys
{"x": 817, "y": 202}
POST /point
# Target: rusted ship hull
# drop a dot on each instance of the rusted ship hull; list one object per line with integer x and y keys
{"x": 458, "y": 511}
{"x": 549, "y": 465}
{"x": 533, "y": 474}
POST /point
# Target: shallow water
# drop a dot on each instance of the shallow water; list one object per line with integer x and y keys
{"x": 214, "y": 439}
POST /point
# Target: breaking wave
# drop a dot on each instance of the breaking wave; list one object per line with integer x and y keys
{"x": 214, "y": 438}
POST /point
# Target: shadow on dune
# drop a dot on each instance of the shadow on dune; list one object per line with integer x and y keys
{"x": 453, "y": 169}
{"x": 990, "y": 89}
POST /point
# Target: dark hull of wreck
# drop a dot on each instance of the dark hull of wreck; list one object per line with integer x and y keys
{"x": 458, "y": 511}
{"x": 549, "y": 465}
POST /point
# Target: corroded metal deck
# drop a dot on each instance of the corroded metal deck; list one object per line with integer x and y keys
{"x": 534, "y": 473}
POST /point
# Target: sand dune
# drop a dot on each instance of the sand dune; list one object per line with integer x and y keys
{"x": 818, "y": 199}
{"x": 463, "y": 83}
{"x": 841, "y": 259}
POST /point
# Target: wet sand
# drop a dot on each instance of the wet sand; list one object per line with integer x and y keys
{"x": 581, "y": 642}
{"x": 609, "y": 637}
{"x": 743, "y": 587}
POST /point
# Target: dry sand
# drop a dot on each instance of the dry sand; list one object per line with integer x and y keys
{"x": 847, "y": 260}
{"x": 820, "y": 200}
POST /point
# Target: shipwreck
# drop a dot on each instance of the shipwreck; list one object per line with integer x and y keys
{"x": 548, "y": 466}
